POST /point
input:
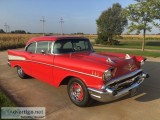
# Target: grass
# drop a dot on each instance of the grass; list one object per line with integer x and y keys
{"x": 5, "y": 101}
{"x": 133, "y": 52}
{"x": 150, "y": 44}
{"x": 132, "y": 45}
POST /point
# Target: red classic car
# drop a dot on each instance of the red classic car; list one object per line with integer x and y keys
{"x": 71, "y": 60}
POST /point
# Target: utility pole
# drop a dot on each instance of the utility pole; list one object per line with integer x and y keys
{"x": 43, "y": 21}
{"x": 6, "y": 27}
{"x": 61, "y": 21}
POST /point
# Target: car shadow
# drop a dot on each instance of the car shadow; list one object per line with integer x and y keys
{"x": 97, "y": 103}
{"x": 150, "y": 88}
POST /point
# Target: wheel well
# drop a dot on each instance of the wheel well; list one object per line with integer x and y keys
{"x": 16, "y": 66}
{"x": 66, "y": 80}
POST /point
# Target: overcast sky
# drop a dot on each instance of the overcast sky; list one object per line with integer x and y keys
{"x": 78, "y": 15}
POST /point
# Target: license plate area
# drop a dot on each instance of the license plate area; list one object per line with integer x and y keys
{"x": 133, "y": 91}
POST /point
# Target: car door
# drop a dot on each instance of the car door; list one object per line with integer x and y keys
{"x": 30, "y": 51}
{"x": 42, "y": 62}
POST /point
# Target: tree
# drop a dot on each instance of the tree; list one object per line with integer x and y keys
{"x": 143, "y": 15}
{"x": 110, "y": 23}
{"x": 2, "y": 31}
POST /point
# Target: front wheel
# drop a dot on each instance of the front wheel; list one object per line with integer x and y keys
{"x": 78, "y": 92}
{"x": 21, "y": 73}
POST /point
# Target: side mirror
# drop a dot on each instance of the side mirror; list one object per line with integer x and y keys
{"x": 42, "y": 51}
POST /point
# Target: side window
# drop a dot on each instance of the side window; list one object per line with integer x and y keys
{"x": 42, "y": 46}
{"x": 63, "y": 46}
{"x": 31, "y": 48}
{"x": 57, "y": 47}
{"x": 67, "y": 45}
{"x": 81, "y": 45}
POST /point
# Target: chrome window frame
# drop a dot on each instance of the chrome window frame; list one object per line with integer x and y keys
{"x": 52, "y": 45}
{"x": 51, "y": 52}
{"x": 29, "y": 45}
{"x": 47, "y": 45}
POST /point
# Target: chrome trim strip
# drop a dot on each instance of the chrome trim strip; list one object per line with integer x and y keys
{"x": 52, "y": 47}
{"x": 123, "y": 77}
{"x": 35, "y": 48}
{"x": 96, "y": 96}
{"x": 78, "y": 72}
{"x": 65, "y": 69}
{"x": 96, "y": 90}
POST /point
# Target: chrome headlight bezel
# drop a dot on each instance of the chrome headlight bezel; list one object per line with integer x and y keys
{"x": 107, "y": 75}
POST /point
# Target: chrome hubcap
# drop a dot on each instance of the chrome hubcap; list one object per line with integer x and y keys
{"x": 20, "y": 71}
{"x": 76, "y": 92}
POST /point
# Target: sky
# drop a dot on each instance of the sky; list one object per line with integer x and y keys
{"x": 78, "y": 15}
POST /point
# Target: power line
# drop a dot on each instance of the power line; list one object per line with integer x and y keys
{"x": 43, "y": 21}
{"x": 61, "y": 21}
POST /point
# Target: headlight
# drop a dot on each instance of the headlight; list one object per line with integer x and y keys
{"x": 107, "y": 75}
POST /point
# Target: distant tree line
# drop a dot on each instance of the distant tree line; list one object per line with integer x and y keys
{"x": 18, "y": 32}
{"x": 78, "y": 33}
{"x": 15, "y": 32}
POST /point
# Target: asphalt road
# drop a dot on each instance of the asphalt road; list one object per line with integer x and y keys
{"x": 31, "y": 92}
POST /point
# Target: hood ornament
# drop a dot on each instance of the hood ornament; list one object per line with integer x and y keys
{"x": 110, "y": 61}
{"x": 127, "y": 56}
{"x": 130, "y": 67}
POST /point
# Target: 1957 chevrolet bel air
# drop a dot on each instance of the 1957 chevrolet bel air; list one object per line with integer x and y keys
{"x": 71, "y": 60}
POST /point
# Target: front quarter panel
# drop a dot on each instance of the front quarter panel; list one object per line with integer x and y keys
{"x": 89, "y": 73}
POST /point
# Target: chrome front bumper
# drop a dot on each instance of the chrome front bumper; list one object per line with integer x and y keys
{"x": 107, "y": 93}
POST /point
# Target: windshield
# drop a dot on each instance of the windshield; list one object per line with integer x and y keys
{"x": 71, "y": 45}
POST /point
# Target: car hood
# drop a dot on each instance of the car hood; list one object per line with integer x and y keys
{"x": 120, "y": 64}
